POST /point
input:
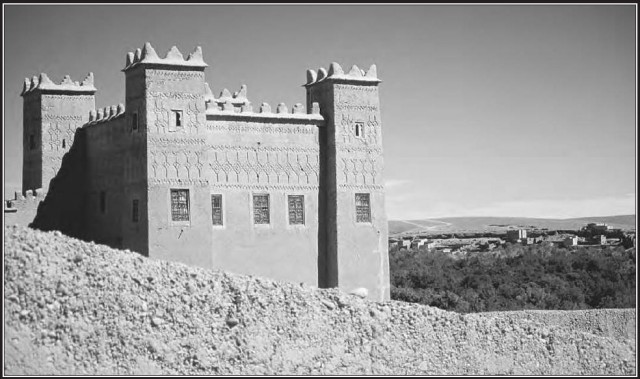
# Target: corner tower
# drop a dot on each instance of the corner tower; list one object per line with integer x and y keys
{"x": 51, "y": 114}
{"x": 165, "y": 112}
{"x": 353, "y": 250}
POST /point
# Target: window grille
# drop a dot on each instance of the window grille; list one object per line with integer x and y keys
{"x": 216, "y": 209}
{"x": 363, "y": 207}
{"x": 296, "y": 209}
{"x": 180, "y": 205}
{"x": 261, "y": 209}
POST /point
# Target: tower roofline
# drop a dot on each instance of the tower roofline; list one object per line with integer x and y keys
{"x": 42, "y": 83}
{"x": 148, "y": 55}
{"x": 337, "y": 74}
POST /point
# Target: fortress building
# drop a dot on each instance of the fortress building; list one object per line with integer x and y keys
{"x": 175, "y": 173}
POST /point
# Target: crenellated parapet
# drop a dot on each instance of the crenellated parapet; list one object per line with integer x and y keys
{"x": 148, "y": 55}
{"x": 336, "y": 73}
{"x": 265, "y": 111}
{"x": 239, "y": 98}
{"x": 105, "y": 114}
{"x": 43, "y": 83}
{"x": 25, "y": 202}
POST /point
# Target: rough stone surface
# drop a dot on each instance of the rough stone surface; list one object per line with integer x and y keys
{"x": 614, "y": 323}
{"x": 114, "y": 312}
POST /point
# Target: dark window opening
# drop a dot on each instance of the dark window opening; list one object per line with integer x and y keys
{"x": 32, "y": 141}
{"x": 103, "y": 201}
{"x": 261, "y": 209}
{"x": 180, "y": 205}
{"x": 177, "y": 118}
{"x": 135, "y": 216}
{"x": 363, "y": 207}
{"x": 296, "y": 209}
{"x": 64, "y": 143}
{"x": 216, "y": 209}
{"x": 359, "y": 129}
{"x": 134, "y": 121}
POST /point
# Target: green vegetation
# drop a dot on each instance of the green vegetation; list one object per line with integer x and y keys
{"x": 517, "y": 277}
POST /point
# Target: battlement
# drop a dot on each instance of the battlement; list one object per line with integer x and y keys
{"x": 43, "y": 83}
{"x": 336, "y": 73}
{"x": 22, "y": 208}
{"x": 105, "y": 114}
{"x": 237, "y": 99}
{"x": 282, "y": 113}
{"x": 148, "y": 55}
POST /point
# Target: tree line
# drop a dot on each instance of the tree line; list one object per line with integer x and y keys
{"x": 516, "y": 277}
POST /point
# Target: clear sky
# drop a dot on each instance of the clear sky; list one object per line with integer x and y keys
{"x": 488, "y": 110}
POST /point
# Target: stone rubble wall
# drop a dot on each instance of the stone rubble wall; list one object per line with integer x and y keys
{"x": 78, "y": 308}
{"x": 612, "y": 323}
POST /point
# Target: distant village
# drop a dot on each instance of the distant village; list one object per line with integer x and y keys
{"x": 593, "y": 234}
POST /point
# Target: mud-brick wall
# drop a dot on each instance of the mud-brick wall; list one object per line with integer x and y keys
{"x": 62, "y": 115}
{"x": 105, "y": 172}
{"x": 269, "y": 155}
{"x": 31, "y": 142}
{"x": 63, "y": 207}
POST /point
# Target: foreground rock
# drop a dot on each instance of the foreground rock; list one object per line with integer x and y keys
{"x": 74, "y": 308}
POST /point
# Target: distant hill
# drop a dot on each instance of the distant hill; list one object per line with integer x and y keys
{"x": 472, "y": 224}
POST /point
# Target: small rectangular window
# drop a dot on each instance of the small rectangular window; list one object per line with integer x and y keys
{"x": 32, "y": 141}
{"x": 296, "y": 209}
{"x": 359, "y": 129}
{"x": 134, "y": 121}
{"x": 135, "y": 216}
{"x": 363, "y": 207}
{"x": 261, "y": 209}
{"x": 216, "y": 209}
{"x": 180, "y": 204}
{"x": 103, "y": 202}
{"x": 178, "y": 121}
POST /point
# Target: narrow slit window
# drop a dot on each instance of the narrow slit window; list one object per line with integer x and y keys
{"x": 296, "y": 209}
{"x": 261, "y": 209}
{"x": 180, "y": 205}
{"x": 32, "y": 141}
{"x": 64, "y": 143}
{"x": 216, "y": 209}
{"x": 134, "y": 121}
{"x": 359, "y": 129}
{"x": 103, "y": 202}
{"x": 135, "y": 215}
{"x": 363, "y": 207}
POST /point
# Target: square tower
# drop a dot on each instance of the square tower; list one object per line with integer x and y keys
{"x": 51, "y": 114}
{"x": 164, "y": 160}
{"x": 353, "y": 250}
